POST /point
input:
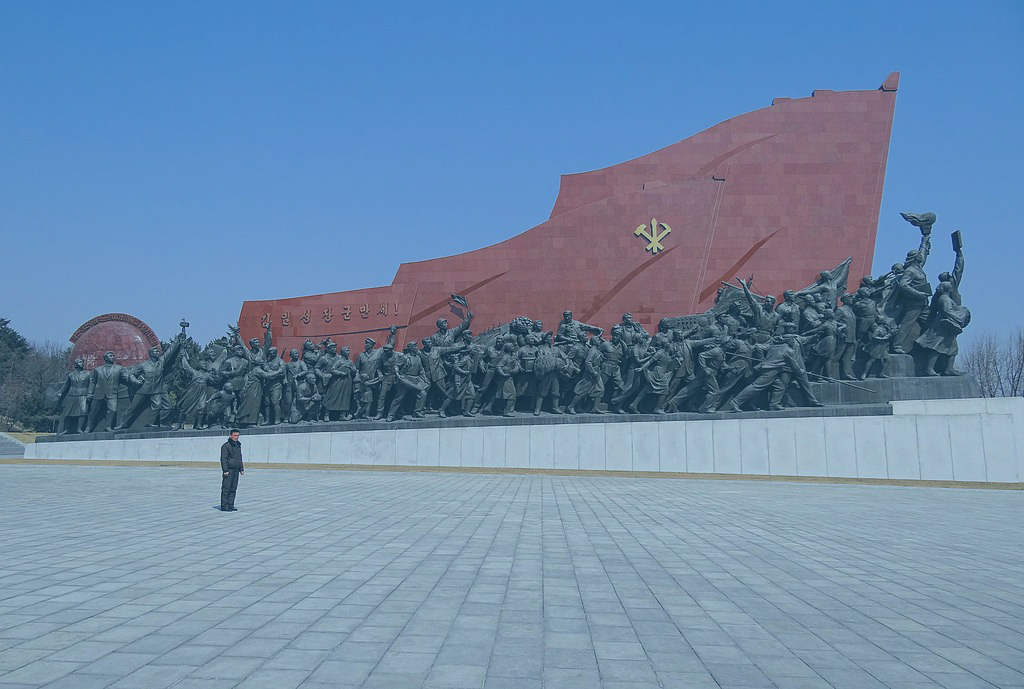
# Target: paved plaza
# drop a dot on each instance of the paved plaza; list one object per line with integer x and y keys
{"x": 128, "y": 577}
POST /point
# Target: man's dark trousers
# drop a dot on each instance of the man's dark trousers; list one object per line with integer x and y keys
{"x": 228, "y": 486}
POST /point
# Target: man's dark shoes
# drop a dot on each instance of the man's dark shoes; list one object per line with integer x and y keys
{"x": 232, "y": 509}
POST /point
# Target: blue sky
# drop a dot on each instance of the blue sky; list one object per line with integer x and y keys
{"x": 169, "y": 159}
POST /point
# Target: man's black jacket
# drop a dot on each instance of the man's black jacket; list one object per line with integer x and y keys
{"x": 231, "y": 456}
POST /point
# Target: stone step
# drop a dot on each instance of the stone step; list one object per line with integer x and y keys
{"x": 9, "y": 447}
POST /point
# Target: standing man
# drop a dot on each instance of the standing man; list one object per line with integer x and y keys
{"x": 231, "y": 465}
{"x": 913, "y": 289}
{"x": 272, "y": 375}
{"x": 445, "y": 337}
{"x": 410, "y": 381}
{"x": 294, "y": 371}
{"x": 366, "y": 367}
{"x": 150, "y": 395}
{"x": 569, "y": 330}
{"x": 104, "y": 383}
{"x": 631, "y": 330}
{"x": 846, "y": 349}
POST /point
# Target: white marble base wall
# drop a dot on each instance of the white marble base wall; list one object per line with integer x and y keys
{"x": 961, "y": 440}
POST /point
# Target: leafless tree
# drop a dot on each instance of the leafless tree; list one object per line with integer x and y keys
{"x": 981, "y": 359}
{"x": 1014, "y": 364}
{"x": 26, "y": 399}
{"x": 997, "y": 363}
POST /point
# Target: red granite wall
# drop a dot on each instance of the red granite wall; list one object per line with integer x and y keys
{"x": 780, "y": 193}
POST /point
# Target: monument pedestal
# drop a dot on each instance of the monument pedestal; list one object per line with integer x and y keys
{"x": 885, "y": 390}
{"x": 974, "y": 440}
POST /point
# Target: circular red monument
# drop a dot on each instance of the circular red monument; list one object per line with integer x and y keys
{"x": 126, "y": 336}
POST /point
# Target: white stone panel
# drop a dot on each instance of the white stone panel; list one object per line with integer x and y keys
{"x": 542, "y": 447}
{"x": 83, "y": 451}
{"x": 781, "y": 448}
{"x": 1004, "y": 405}
{"x": 727, "y": 446}
{"x": 406, "y": 447}
{"x": 901, "y": 447}
{"x": 810, "y": 446}
{"x": 1000, "y": 447}
{"x": 428, "y": 447}
{"x": 754, "y": 446}
{"x": 124, "y": 450}
{"x": 295, "y": 451}
{"x": 132, "y": 450}
{"x": 256, "y": 449}
{"x": 967, "y": 447}
{"x": 384, "y": 447}
{"x": 646, "y": 446}
{"x": 672, "y": 441}
{"x": 472, "y": 447}
{"x": 566, "y": 446}
{"x": 450, "y": 447}
{"x": 1013, "y": 406}
{"x": 841, "y": 447}
{"x": 191, "y": 450}
{"x": 88, "y": 450}
{"x": 494, "y": 446}
{"x": 933, "y": 447}
{"x": 908, "y": 407}
{"x": 343, "y": 449}
{"x": 159, "y": 449}
{"x": 517, "y": 447}
{"x": 592, "y": 445}
{"x": 165, "y": 449}
{"x": 202, "y": 449}
{"x": 618, "y": 438}
{"x": 320, "y": 448}
{"x": 280, "y": 447}
{"x": 206, "y": 449}
{"x": 114, "y": 450}
{"x": 871, "y": 458}
{"x": 700, "y": 448}
{"x": 953, "y": 407}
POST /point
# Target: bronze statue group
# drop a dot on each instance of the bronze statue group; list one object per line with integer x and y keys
{"x": 747, "y": 352}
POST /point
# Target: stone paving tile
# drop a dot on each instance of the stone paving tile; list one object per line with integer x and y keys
{"x": 274, "y": 679}
{"x": 359, "y": 579}
{"x": 154, "y": 677}
{"x": 39, "y": 672}
{"x": 79, "y": 681}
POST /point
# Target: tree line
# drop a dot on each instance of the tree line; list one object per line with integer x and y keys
{"x": 27, "y": 371}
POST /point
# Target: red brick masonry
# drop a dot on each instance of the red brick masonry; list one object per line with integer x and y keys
{"x": 780, "y": 193}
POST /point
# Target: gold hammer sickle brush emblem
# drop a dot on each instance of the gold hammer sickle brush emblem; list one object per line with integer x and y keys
{"x": 653, "y": 237}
